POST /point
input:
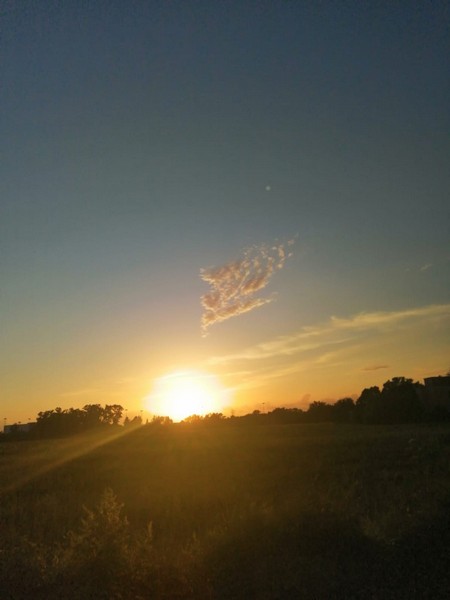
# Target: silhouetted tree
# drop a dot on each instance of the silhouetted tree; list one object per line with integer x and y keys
{"x": 368, "y": 405}
{"x": 193, "y": 419}
{"x": 161, "y": 420}
{"x": 59, "y": 422}
{"x": 286, "y": 415}
{"x": 343, "y": 410}
{"x": 214, "y": 418}
{"x": 112, "y": 414}
{"x": 401, "y": 401}
{"x": 94, "y": 415}
{"x": 319, "y": 412}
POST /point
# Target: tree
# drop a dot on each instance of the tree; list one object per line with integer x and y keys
{"x": 368, "y": 405}
{"x": 112, "y": 414}
{"x": 319, "y": 412}
{"x": 214, "y": 417}
{"x": 156, "y": 420}
{"x": 59, "y": 422}
{"x": 398, "y": 402}
{"x": 286, "y": 415}
{"x": 401, "y": 401}
{"x": 94, "y": 415}
{"x": 190, "y": 419}
{"x": 343, "y": 410}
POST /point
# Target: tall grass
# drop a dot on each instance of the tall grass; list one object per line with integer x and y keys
{"x": 293, "y": 511}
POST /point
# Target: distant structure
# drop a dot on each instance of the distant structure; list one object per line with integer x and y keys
{"x": 437, "y": 391}
{"x": 18, "y": 428}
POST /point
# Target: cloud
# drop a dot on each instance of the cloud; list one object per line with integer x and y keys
{"x": 336, "y": 331}
{"x": 233, "y": 286}
{"x": 425, "y": 267}
{"x": 343, "y": 350}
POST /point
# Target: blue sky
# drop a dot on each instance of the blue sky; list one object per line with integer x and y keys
{"x": 143, "y": 142}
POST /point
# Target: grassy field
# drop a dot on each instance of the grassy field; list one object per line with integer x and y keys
{"x": 228, "y": 511}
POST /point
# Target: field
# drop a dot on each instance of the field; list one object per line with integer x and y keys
{"x": 228, "y": 511}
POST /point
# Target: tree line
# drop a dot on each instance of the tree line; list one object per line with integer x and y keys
{"x": 59, "y": 422}
{"x": 400, "y": 400}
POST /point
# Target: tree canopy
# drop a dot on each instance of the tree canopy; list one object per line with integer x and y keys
{"x": 58, "y": 422}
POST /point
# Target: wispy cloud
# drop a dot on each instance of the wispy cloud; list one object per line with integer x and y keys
{"x": 425, "y": 267}
{"x": 233, "y": 286}
{"x": 335, "y": 331}
{"x": 351, "y": 348}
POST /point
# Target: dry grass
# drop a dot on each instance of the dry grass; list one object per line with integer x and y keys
{"x": 293, "y": 511}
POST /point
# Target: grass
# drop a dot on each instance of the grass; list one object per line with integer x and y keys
{"x": 228, "y": 511}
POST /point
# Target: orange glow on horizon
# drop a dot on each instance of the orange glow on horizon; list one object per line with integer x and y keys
{"x": 184, "y": 393}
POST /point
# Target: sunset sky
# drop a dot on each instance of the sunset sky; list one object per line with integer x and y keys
{"x": 256, "y": 191}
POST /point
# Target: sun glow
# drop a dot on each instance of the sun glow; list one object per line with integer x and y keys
{"x": 185, "y": 393}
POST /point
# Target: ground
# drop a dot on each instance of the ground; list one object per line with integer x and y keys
{"x": 228, "y": 511}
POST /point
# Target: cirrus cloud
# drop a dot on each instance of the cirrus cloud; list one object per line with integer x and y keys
{"x": 353, "y": 349}
{"x": 233, "y": 286}
{"x": 341, "y": 331}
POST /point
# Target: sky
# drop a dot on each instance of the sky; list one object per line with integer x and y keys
{"x": 252, "y": 191}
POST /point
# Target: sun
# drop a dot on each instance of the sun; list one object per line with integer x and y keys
{"x": 185, "y": 393}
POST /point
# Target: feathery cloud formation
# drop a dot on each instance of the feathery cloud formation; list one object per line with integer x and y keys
{"x": 339, "y": 331}
{"x": 351, "y": 348}
{"x": 233, "y": 286}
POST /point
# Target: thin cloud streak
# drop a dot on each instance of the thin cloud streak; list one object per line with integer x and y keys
{"x": 233, "y": 286}
{"x": 348, "y": 346}
{"x": 425, "y": 267}
{"x": 260, "y": 376}
{"x": 347, "y": 329}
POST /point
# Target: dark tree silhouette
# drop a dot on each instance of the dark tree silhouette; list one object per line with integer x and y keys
{"x": 343, "y": 410}
{"x": 401, "y": 401}
{"x": 59, "y": 422}
{"x": 286, "y": 415}
{"x": 368, "y": 405}
{"x": 319, "y": 412}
